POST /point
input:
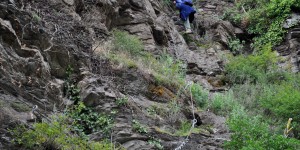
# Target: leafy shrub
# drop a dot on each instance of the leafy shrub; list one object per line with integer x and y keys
{"x": 233, "y": 15}
{"x": 155, "y": 110}
{"x": 282, "y": 100}
{"x": 199, "y": 95}
{"x": 185, "y": 129}
{"x": 223, "y": 104}
{"x": 248, "y": 95}
{"x": 122, "y": 101}
{"x": 70, "y": 89}
{"x": 253, "y": 133}
{"x": 265, "y": 18}
{"x": 165, "y": 69}
{"x": 137, "y": 126}
{"x": 86, "y": 120}
{"x": 251, "y": 68}
{"x": 56, "y": 134}
{"x": 156, "y": 142}
{"x": 20, "y": 107}
{"x": 168, "y": 70}
{"x": 236, "y": 46}
{"x": 126, "y": 42}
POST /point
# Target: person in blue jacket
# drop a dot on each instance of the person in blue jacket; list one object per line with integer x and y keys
{"x": 186, "y": 13}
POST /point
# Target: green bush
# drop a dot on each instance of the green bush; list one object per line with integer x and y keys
{"x": 122, "y": 101}
{"x": 169, "y": 71}
{"x": 128, "y": 50}
{"x": 236, "y": 46}
{"x": 86, "y": 120}
{"x": 137, "y": 126}
{"x": 265, "y": 18}
{"x": 252, "y": 67}
{"x": 233, "y": 15}
{"x": 20, "y": 107}
{"x": 126, "y": 42}
{"x": 156, "y": 143}
{"x": 282, "y": 100}
{"x": 223, "y": 104}
{"x": 251, "y": 133}
{"x": 199, "y": 95}
{"x": 56, "y": 134}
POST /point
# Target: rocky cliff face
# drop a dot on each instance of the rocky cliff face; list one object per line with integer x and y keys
{"x": 40, "y": 39}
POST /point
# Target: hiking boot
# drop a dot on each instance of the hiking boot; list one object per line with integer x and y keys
{"x": 188, "y": 31}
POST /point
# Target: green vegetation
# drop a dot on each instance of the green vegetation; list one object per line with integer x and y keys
{"x": 263, "y": 18}
{"x": 236, "y": 46}
{"x": 254, "y": 133}
{"x": 156, "y": 142}
{"x": 36, "y": 17}
{"x": 223, "y": 104}
{"x": 282, "y": 99}
{"x": 252, "y": 68}
{"x": 167, "y": 3}
{"x": 56, "y": 134}
{"x": 137, "y": 126}
{"x": 122, "y": 101}
{"x": 20, "y": 107}
{"x": 68, "y": 131}
{"x": 199, "y": 95}
{"x": 127, "y": 43}
{"x": 261, "y": 96}
{"x": 71, "y": 90}
{"x": 155, "y": 110}
{"x": 87, "y": 121}
{"x": 183, "y": 130}
{"x": 127, "y": 51}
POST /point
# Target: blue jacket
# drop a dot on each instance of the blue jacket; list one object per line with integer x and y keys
{"x": 185, "y": 10}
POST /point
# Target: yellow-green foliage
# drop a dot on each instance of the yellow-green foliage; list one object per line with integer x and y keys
{"x": 55, "y": 134}
{"x": 137, "y": 126}
{"x": 282, "y": 99}
{"x": 126, "y": 42}
{"x": 167, "y": 70}
{"x": 128, "y": 51}
{"x": 20, "y": 107}
{"x": 183, "y": 130}
{"x": 253, "y": 133}
{"x": 199, "y": 95}
{"x": 252, "y": 67}
{"x": 86, "y": 120}
{"x": 264, "y": 18}
{"x": 223, "y": 104}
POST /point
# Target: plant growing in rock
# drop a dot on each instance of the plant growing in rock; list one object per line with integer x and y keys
{"x": 71, "y": 90}
{"x": 20, "y": 107}
{"x": 155, "y": 110}
{"x": 173, "y": 112}
{"x": 55, "y": 134}
{"x": 36, "y": 17}
{"x": 199, "y": 95}
{"x": 251, "y": 132}
{"x": 86, "y": 120}
{"x": 223, "y": 104}
{"x": 156, "y": 143}
{"x": 122, "y": 101}
{"x": 124, "y": 42}
{"x": 236, "y": 46}
{"x": 137, "y": 126}
{"x": 252, "y": 67}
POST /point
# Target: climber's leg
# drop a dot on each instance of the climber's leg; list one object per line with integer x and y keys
{"x": 187, "y": 26}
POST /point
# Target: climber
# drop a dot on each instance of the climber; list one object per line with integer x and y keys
{"x": 186, "y": 13}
